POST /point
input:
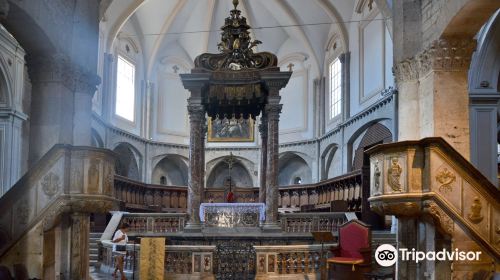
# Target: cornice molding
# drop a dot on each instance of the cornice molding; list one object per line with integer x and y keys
{"x": 387, "y": 98}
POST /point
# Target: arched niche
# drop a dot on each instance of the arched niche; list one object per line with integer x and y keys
{"x": 127, "y": 161}
{"x": 218, "y": 177}
{"x": 172, "y": 170}
{"x": 292, "y": 169}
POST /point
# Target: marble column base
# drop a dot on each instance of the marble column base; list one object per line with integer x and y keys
{"x": 193, "y": 227}
{"x": 271, "y": 227}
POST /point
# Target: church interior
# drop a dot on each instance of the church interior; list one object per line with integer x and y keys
{"x": 250, "y": 139}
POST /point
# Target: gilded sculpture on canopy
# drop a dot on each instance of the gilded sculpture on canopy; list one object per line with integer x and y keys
{"x": 394, "y": 175}
{"x": 236, "y": 48}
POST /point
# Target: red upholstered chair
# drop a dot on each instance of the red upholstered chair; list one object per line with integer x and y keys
{"x": 352, "y": 258}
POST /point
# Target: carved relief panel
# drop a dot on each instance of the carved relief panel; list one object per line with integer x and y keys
{"x": 376, "y": 175}
{"x": 93, "y": 176}
{"x": 395, "y": 173}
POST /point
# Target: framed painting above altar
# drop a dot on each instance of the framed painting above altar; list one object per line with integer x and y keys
{"x": 231, "y": 130}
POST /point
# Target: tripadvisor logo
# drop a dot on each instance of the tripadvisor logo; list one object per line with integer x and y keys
{"x": 387, "y": 255}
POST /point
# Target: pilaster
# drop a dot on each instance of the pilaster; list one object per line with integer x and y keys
{"x": 433, "y": 95}
{"x": 59, "y": 89}
{"x": 80, "y": 227}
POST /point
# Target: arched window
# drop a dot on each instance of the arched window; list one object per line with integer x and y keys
{"x": 163, "y": 180}
{"x": 335, "y": 88}
{"x": 125, "y": 89}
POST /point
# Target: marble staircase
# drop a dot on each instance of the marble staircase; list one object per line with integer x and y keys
{"x": 94, "y": 238}
{"x": 45, "y": 216}
{"x": 441, "y": 201}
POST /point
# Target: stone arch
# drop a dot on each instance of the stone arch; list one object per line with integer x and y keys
{"x": 485, "y": 64}
{"x": 219, "y": 173}
{"x": 375, "y": 134}
{"x": 24, "y": 27}
{"x": 483, "y": 99}
{"x": 96, "y": 139}
{"x": 128, "y": 160}
{"x": 327, "y": 160}
{"x": 292, "y": 166}
{"x": 171, "y": 170}
{"x": 465, "y": 20}
{"x": 358, "y": 131}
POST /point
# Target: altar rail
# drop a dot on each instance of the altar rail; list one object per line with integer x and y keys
{"x": 152, "y": 224}
{"x": 309, "y": 222}
{"x": 322, "y": 196}
{"x": 183, "y": 261}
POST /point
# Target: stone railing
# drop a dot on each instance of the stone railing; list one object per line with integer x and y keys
{"x": 197, "y": 261}
{"x": 155, "y": 224}
{"x": 290, "y": 260}
{"x": 309, "y": 222}
{"x": 67, "y": 179}
{"x": 429, "y": 177}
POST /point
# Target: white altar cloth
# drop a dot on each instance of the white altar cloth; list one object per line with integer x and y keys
{"x": 236, "y": 207}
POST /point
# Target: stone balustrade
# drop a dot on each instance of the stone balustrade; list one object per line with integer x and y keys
{"x": 309, "y": 222}
{"x": 197, "y": 261}
{"x": 155, "y": 224}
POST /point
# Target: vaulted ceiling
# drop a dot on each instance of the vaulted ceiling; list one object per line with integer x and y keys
{"x": 188, "y": 28}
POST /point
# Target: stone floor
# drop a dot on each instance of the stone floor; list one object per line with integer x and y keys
{"x": 97, "y": 275}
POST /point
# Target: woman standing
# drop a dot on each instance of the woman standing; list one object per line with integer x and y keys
{"x": 120, "y": 249}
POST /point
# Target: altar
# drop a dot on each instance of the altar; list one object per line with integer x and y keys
{"x": 230, "y": 215}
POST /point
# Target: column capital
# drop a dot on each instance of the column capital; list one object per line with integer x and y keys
{"x": 273, "y": 111}
{"x": 196, "y": 112}
{"x": 445, "y": 54}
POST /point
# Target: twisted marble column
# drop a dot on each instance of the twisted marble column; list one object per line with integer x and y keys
{"x": 263, "y": 158}
{"x": 273, "y": 110}
{"x": 196, "y": 157}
